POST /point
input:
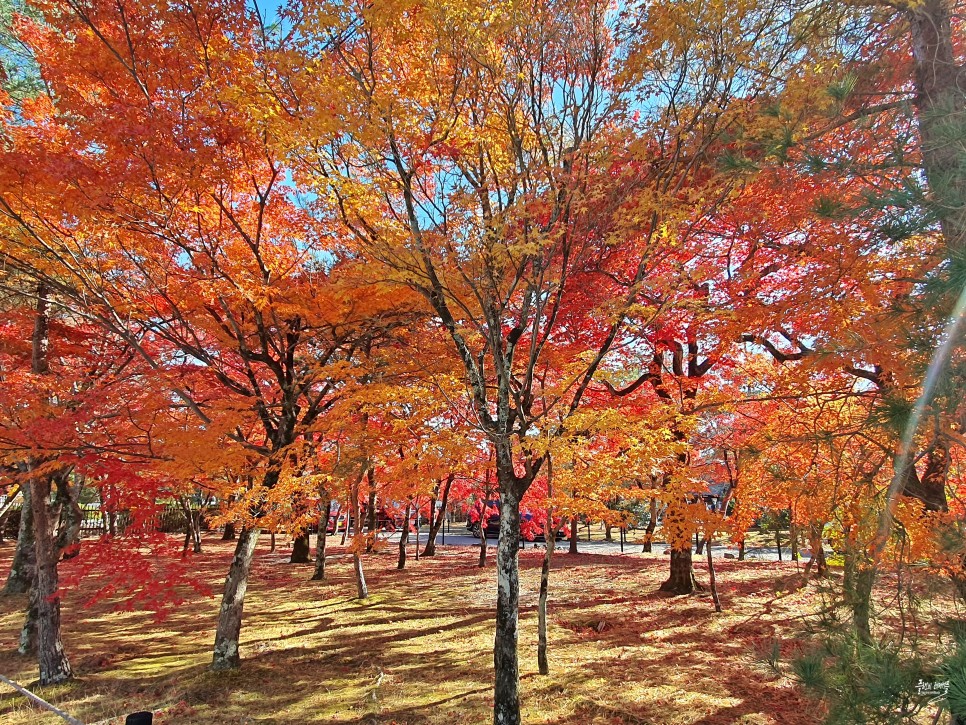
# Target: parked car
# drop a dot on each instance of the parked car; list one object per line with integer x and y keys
{"x": 530, "y": 530}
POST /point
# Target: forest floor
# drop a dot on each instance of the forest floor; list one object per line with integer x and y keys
{"x": 419, "y": 649}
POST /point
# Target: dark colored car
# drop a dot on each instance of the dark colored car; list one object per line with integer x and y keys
{"x": 529, "y": 530}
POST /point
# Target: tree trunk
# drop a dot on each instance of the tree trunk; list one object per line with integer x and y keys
{"x": 228, "y": 633}
{"x": 22, "y": 569}
{"x": 857, "y": 584}
{"x": 714, "y": 582}
{"x": 573, "y": 535}
{"x": 229, "y": 534}
{"x": 71, "y": 516}
{"x": 778, "y": 542}
{"x": 651, "y": 526}
{"x": 741, "y": 550}
{"x": 550, "y": 534}
{"x": 45, "y": 593}
{"x": 348, "y": 521}
{"x": 506, "y": 696}
{"x": 793, "y": 541}
{"x": 482, "y": 561}
{"x": 681, "y": 579}
{"x": 607, "y": 532}
{"x": 416, "y": 548}
{"x": 436, "y": 521}
{"x": 698, "y": 544}
{"x": 371, "y": 512}
{"x": 320, "y": 538}
{"x": 189, "y": 523}
{"x": 940, "y": 85}
{"x": 54, "y": 666}
{"x": 362, "y": 590}
{"x": 817, "y": 559}
{"x": 301, "y": 548}
{"x": 862, "y": 603}
{"x": 28, "y": 632}
{"x": 196, "y": 532}
{"x": 404, "y": 536}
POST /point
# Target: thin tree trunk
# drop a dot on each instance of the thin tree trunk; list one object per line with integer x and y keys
{"x": 22, "y": 569}
{"x": 778, "y": 542}
{"x": 348, "y": 521}
{"x": 793, "y": 540}
{"x": 714, "y": 583}
{"x": 698, "y": 544}
{"x": 189, "y": 523}
{"x": 741, "y": 550}
{"x": 550, "y": 535}
{"x": 506, "y": 696}
{"x": 573, "y": 535}
{"x": 229, "y": 534}
{"x": 417, "y": 528}
{"x": 482, "y": 561}
{"x": 404, "y": 537}
{"x": 228, "y": 633}
{"x": 436, "y": 521}
{"x": 542, "y": 663}
{"x": 371, "y": 512}
{"x": 484, "y": 518}
{"x": 362, "y": 591}
{"x": 817, "y": 560}
{"x": 196, "y": 531}
{"x": 320, "y": 538}
{"x": 651, "y": 526}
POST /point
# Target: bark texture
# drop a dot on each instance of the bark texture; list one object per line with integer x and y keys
{"x": 506, "y": 700}
{"x": 301, "y": 549}
{"x": 681, "y": 579}
{"x": 228, "y": 633}
{"x": 22, "y": 569}
{"x": 51, "y": 656}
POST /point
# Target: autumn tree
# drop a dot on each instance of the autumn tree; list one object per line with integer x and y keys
{"x": 171, "y": 225}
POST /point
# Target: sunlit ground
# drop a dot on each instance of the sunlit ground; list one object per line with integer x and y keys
{"x": 419, "y": 650}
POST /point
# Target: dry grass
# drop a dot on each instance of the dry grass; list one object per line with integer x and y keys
{"x": 418, "y": 651}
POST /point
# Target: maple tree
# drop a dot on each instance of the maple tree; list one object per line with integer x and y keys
{"x": 214, "y": 275}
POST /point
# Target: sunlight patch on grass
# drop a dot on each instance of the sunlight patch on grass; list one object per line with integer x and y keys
{"x": 419, "y": 650}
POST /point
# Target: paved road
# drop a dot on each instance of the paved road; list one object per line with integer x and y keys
{"x": 459, "y": 537}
